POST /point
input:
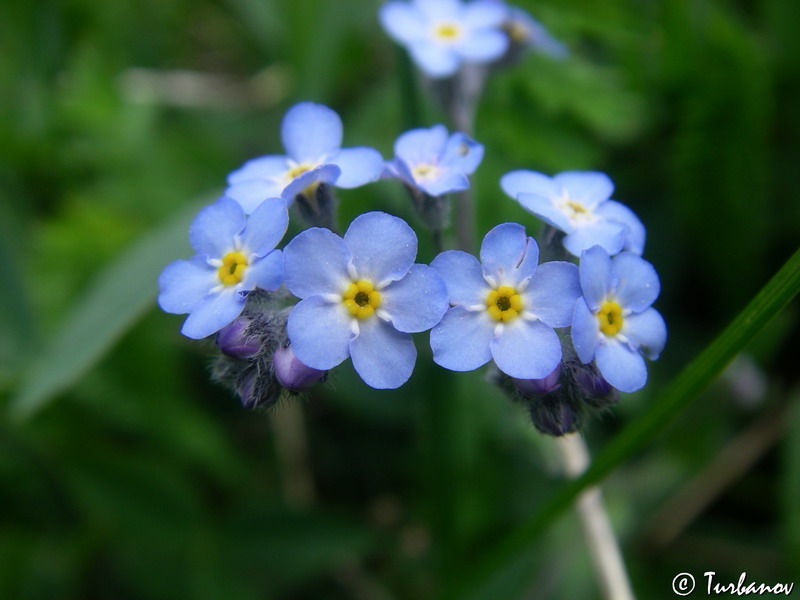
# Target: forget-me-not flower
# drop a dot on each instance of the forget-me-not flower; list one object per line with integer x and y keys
{"x": 362, "y": 297}
{"x": 435, "y": 163}
{"x": 505, "y": 307}
{"x": 526, "y": 32}
{"x": 440, "y": 35}
{"x": 614, "y": 323}
{"x": 235, "y": 255}
{"x": 312, "y": 136}
{"x": 577, "y": 203}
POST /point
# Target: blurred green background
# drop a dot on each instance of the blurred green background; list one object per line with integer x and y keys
{"x": 132, "y": 476}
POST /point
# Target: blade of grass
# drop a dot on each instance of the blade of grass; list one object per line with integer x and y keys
{"x": 118, "y": 297}
{"x": 772, "y": 298}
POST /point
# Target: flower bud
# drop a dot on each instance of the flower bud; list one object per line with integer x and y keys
{"x": 554, "y": 415}
{"x": 594, "y": 389}
{"x": 257, "y": 389}
{"x": 293, "y": 374}
{"x": 234, "y": 340}
{"x": 540, "y": 387}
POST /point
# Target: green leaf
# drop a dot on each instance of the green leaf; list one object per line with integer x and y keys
{"x": 117, "y": 298}
{"x": 18, "y": 329}
{"x": 772, "y": 298}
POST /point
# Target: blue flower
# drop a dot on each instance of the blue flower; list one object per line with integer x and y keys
{"x": 312, "y": 137}
{"x": 505, "y": 307}
{"x": 235, "y": 255}
{"x": 441, "y": 34}
{"x": 429, "y": 161}
{"x": 578, "y": 204}
{"x": 613, "y": 323}
{"x": 526, "y": 32}
{"x": 361, "y": 297}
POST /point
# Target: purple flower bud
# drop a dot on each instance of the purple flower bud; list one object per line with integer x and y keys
{"x": 553, "y": 415}
{"x": 291, "y": 373}
{"x": 246, "y": 388}
{"x": 540, "y": 387}
{"x": 592, "y": 382}
{"x": 234, "y": 341}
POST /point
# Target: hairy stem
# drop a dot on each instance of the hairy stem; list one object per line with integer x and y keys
{"x": 600, "y": 539}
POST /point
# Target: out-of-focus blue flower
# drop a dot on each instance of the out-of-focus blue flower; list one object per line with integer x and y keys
{"x": 362, "y": 295}
{"x": 577, "y": 203}
{"x": 430, "y": 161}
{"x": 312, "y": 136}
{"x": 526, "y": 32}
{"x": 440, "y": 35}
{"x": 235, "y": 255}
{"x": 505, "y": 307}
{"x": 613, "y": 323}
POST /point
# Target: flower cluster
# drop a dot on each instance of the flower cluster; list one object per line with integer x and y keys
{"x": 443, "y": 35}
{"x": 562, "y": 334}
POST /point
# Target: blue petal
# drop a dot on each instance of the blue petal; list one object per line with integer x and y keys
{"x": 316, "y": 262}
{"x": 184, "y": 284}
{"x": 484, "y": 14}
{"x": 265, "y": 227}
{"x": 421, "y": 146}
{"x": 416, "y": 302}
{"x": 463, "y": 276}
{"x": 597, "y": 278}
{"x": 585, "y": 331}
{"x": 213, "y": 313}
{"x": 620, "y": 366}
{"x": 265, "y": 167}
{"x": 327, "y": 174}
{"x": 462, "y": 153}
{"x": 311, "y": 132}
{"x": 402, "y": 22}
{"x": 647, "y": 332}
{"x": 266, "y": 273}
{"x": 436, "y": 10}
{"x": 382, "y": 356}
{"x": 358, "y": 166}
{"x": 320, "y": 332}
{"x": 508, "y": 255}
{"x": 537, "y": 35}
{"x": 251, "y": 193}
{"x": 383, "y": 247}
{"x": 637, "y": 282}
{"x": 460, "y": 341}
{"x": 610, "y": 236}
{"x": 619, "y": 213}
{"x": 213, "y": 230}
{"x": 526, "y": 349}
{"x": 546, "y": 211}
{"x": 483, "y": 45}
{"x": 398, "y": 169}
{"x": 446, "y": 182}
{"x": 586, "y": 187}
{"x": 552, "y": 292}
{"x": 528, "y": 182}
{"x": 433, "y": 59}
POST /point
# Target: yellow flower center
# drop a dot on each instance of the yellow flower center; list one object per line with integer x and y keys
{"x": 518, "y": 33}
{"x": 447, "y": 32}
{"x": 610, "y": 317}
{"x": 504, "y": 304}
{"x": 298, "y": 170}
{"x": 234, "y": 265}
{"x": 424, "y": 172}
{"x": 361, "y": 299}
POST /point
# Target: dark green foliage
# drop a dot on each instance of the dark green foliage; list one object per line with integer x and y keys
{"x": 135, "y": 477}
